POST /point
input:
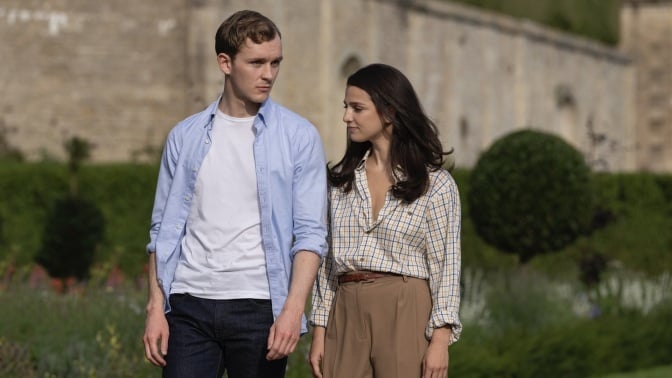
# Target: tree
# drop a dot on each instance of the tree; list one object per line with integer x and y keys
{"x": 73, "y": 228}
{"x": 530, "y": 193}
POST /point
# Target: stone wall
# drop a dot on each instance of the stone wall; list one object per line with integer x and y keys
{"x": 122, "y": 74}
{"x": 112, "y": 72}
{"x": 646, "y": 35}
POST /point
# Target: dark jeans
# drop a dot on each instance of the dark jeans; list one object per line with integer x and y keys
{"x": 208, "y": 337}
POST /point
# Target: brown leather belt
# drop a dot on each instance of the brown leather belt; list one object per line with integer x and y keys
{"x": 363, "y": 276}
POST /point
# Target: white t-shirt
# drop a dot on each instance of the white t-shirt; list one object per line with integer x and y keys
{"x": 222, "y": 255}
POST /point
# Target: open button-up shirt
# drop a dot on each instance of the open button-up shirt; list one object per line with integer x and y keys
{"x": 291, "y": 181}
{"x": 420, "y": 239}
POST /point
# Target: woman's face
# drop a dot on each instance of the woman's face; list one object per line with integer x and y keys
{"x": 362, "y": 119}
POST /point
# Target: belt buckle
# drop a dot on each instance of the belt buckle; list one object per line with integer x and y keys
{"x": 368, "y": 277}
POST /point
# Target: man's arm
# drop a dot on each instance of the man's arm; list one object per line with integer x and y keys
{"x": 285, "y": 332}
{"x": 156, "y": 325}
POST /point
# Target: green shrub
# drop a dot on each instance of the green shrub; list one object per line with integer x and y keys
{"x": 477, "y": 253}
{"x": 530, "y": 193}
{"x": 123, "y": 192}
{"x": 72, "y": 233}
{"x": 577, "y": 348}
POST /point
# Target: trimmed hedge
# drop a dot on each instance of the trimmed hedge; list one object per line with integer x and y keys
{"x": 637, "y": 233}
{"x": 123, "y": 192}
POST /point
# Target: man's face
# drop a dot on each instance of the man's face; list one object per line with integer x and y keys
{"x": 252, "y": 72}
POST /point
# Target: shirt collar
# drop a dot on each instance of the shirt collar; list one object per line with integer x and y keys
{"x": 263, "y": 114}
{"x": 399, "y": 174}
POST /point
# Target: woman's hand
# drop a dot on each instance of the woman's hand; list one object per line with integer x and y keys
{"x": 435, "y": 362}
{"x": 317, "y": 351}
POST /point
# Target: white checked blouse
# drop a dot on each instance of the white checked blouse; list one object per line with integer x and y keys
{"x": 420, "y": 239}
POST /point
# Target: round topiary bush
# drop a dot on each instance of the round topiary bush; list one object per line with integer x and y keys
{"x": 530, "y": 193}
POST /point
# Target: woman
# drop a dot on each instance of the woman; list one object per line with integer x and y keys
{"x": 386, "y": 299}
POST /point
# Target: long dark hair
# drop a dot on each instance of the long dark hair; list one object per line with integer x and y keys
{"x": 415, "y": 145}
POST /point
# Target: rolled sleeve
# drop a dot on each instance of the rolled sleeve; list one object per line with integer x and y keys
{"x": 324, "y": 291}
{"x": 309, "y": 194}
{"x": 167, "y": 167}
{"x": 444, "y": 259}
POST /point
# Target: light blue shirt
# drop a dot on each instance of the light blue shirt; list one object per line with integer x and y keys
{"x": 291, "y": 182}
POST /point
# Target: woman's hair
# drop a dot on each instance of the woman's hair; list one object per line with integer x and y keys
{"x": 240, "y": 26}
{"x": 415, "y": 145}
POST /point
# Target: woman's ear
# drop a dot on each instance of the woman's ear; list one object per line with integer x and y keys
{"x": 388, "y": 115}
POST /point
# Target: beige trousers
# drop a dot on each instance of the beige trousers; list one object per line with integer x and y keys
{"x": 377, "y": 329}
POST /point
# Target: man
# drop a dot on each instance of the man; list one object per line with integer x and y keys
{"x": 238, "y": 225}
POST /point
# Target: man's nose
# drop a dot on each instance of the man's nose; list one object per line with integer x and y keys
{"x": 267, "y": 71}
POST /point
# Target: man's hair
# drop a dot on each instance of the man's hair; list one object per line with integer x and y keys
{"x": 240, "y": 26}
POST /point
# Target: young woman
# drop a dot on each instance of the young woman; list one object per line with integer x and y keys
{"x": 387, "y": 296}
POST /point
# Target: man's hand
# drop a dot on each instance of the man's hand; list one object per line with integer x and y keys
{"x": 156, "y": 337}
{"x": 156, "y": 325}
{"x": 285, "y": 332}
{"x": 284, "y": 335}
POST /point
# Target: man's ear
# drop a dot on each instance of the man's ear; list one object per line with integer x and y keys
{"x": 225, "y": 63}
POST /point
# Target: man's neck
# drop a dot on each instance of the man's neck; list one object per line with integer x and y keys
{"x": 234, "y": 106}
{"x": 237, "y": 108}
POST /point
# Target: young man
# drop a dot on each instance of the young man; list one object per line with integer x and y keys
{"x": 238, "y": 226}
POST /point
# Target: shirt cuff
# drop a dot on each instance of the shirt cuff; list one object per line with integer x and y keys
{"x": 451, "y": 319}
{"x": 319, "y": 317}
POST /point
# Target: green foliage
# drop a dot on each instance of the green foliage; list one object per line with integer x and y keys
{"x": 595, "y": 19}
{"x": 28, "y": 192}
{"x": 633, "y": 214}
{"x": 8, "y": 153}
{"x": 530, "y": 193}
{"x": 636, "y": 236}
{"x": 658, "y": 372}
{"x": 75, "y": 226}
{"x": 15, "y": 360}
{"x": 92, "y": 334}
{"x": 72, "y": 232}
{"x": 478, "y": 253}
{"x": 78, "y": 150}
{"x": 124, "y": 194}
{"x": 576, "y": 348}
{"x": 523, "y": 303}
